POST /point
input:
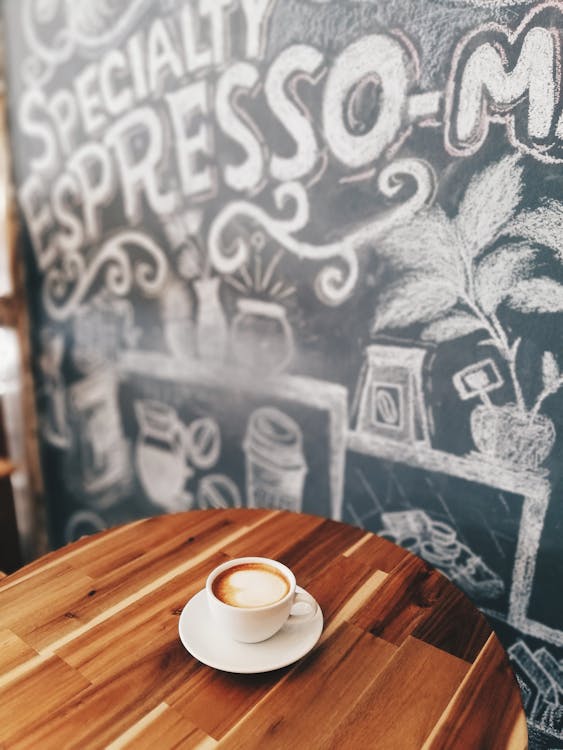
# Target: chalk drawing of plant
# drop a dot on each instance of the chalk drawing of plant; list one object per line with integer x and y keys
{"x": 454, "y": 274}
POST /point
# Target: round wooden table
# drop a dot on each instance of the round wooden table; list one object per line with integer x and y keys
{"x": 90, "y": 654}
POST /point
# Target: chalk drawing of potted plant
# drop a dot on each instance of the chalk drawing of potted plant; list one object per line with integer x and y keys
{"x": 454, "y": 273}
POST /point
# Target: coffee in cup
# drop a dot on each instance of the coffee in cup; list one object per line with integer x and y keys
{"x": 251, "y": 598}
{"x": 250, "y": 585}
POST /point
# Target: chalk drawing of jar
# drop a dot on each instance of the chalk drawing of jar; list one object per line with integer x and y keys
{"x": 211, "y": 325}
{"x": 275, "y": 464}
{"x": 261, "y": 335}
{"x": 160, "y": 456}
{"x": 511, "y": 436}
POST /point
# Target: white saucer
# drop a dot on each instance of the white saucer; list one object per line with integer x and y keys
{"x": 209, "y": 645}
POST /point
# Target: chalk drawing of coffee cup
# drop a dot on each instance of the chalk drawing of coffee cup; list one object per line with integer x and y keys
{"x": 160, "y": 456}
{"x": 261, "y": 335}
{"x": 275, "y": 464}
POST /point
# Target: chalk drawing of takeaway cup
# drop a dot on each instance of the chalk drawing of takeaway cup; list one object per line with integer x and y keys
{"x": 160, "y": 456}
{"x": 275, "y": 464}
{"x": 261, "y": 336}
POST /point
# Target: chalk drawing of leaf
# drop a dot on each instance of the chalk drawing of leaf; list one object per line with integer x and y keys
{"x": 427, "y": 243}
{"x": 543, "y": 225}
{"x": 451, "y": 327}
{"x": 415, "y": 299}
{"x": 489, "y": 203}
{"x": 537, "y": 295}
{"x": 550, "y": 370}
{"x": 498, "y": 273}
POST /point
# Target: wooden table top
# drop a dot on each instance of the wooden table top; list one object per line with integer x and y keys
{"x": 90, "y": 654}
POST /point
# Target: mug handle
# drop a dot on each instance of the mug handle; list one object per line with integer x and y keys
{"x": 302, "y": 596}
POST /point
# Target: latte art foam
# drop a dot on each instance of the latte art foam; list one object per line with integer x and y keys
{"x": 250, "y": 585}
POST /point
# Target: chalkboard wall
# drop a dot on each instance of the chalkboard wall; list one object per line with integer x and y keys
{"x": 306, "y": 255}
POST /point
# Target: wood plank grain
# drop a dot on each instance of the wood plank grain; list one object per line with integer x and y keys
{"x": 20, "y": 601}
{"x": 137, "y": 562}
{"x": 500, "y": 724}
{"x": 337, "y": 583}
{"x": 340, "y": 670}
{"x": 101, "y": 713}
{"x": 166, "y": 575}
{"x": 166, "y": 728}
{"x": 378, "y": 553}
{"x": 70, "y": 554}
{"x": 150, "y": 621}
{"x": 275, "y": 536}
{"x": 89, "y": 639}
{"x": 402, "y": 704}
{"x": 308, "y": 556}
{"x": 416, "y": 599}
{"x": 216, "y": 700}
{"x": 13, "y": 651}
{"x": 38, "y": 694}
{"x": 40, "y": 620}
{"x": 455, "y": 626}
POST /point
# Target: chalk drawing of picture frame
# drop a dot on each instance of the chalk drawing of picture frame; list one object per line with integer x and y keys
{"x": 282, "y": 439}
{"x": 531, "y": 492}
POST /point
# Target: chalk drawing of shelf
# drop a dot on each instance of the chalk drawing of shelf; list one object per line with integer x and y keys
{"x": 532, "y": 486}
{"x": 303, "y": 396}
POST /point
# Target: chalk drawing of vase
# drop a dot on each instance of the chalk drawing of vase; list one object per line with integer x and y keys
{"x": 160, "y": 456}
{"x": 512, "y": 437}
{"x": 261, "y": 335}
{"x": 275, "y": 464}
{"x": 211, "y": 327}
{"x": 177, "y": 320}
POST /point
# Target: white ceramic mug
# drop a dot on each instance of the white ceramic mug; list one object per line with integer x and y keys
{"x": 254, "y": 624}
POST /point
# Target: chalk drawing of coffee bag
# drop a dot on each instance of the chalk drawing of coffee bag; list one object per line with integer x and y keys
{"x": 275, "y": 464}
{"x": 102, "y": 452}
{"x": 261, "y": 336}
{"x": 389, "y": 400}
{"x": 160, "y": 456}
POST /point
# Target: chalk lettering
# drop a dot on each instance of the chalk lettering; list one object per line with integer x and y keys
{"x": 187, "y": 106}
{"x": 31, "y": 107}
{"x": 384, "y": 60}
{"x": 248, "y": 174}
{"x": 92, "y": 167}
{"x": 116, "y": 99}
{"x": 297, "y": 58}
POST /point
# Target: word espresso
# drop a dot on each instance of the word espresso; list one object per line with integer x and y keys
{"x": 147, "y": 119}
